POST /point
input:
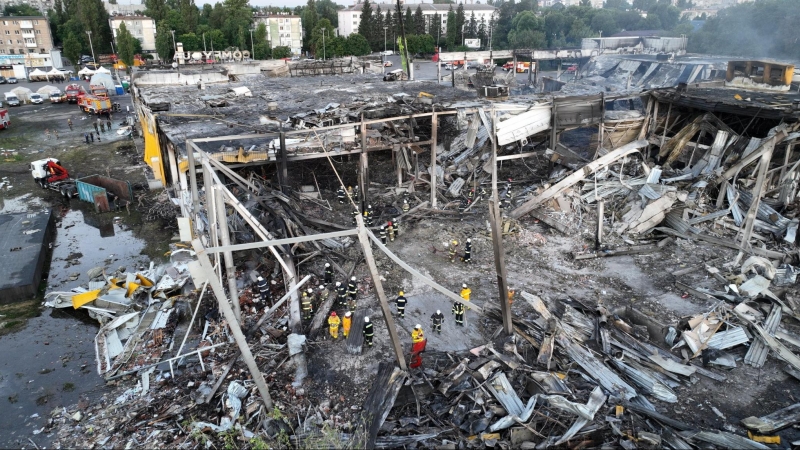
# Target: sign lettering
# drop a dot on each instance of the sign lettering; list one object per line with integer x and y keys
{"x": 204, "y": 56}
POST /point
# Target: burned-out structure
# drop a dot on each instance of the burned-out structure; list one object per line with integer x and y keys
{"x": 621, "y": 251}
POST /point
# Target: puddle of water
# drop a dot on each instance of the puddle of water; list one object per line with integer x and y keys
{"x": 50, "y": 362}
{"x": 88, "y": 240}
{"x": 21, "y": 204}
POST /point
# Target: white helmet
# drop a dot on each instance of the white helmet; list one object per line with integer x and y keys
{"x": 338, "y": 283}
{"x": 469, "y": 240}
{"x": 438, "y": 311}
{"x": 321, "y": 287}
{"x": 327, "y": 264}
{"x": 464, "y": 285}
{"x": 366, "y": 319}
{"x": 353, "y": 279}
{"x": 418, "y": 327}
{"x": 369, "y": 206}
{"x": 348, "y": 314}
{"x": 260, "y": 278}
{"x": 310, "y": 291}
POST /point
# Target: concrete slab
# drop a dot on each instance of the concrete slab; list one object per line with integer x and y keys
{"x": 24, "y": 240}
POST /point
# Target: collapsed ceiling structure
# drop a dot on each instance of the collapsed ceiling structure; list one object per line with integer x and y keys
{"x": 658, "y": 154}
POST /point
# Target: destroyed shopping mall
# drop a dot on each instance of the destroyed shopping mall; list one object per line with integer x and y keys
{"x": 614, "y": 257}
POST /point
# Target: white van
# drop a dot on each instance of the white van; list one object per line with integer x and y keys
{"x": 12, "y": 99}
{"x": 36, "y": 99}
{"x": 387, "y": 53}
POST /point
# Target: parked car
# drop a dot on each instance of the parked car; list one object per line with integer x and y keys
{"x": 448, "y": 66}
{"x": 572, "y": 68}
{"x": 12, "y": 80}
{"x": 387, "y": 64}
{"x": 2, "y": 79}
{"x": 36, "y": 99}
{"x": 387, "y": 53}
{"x": 86, "y": 58}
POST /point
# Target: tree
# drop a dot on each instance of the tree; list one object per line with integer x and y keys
{"x": 451, "y": 29}
{"x": 191, "y": 42}
{"x": 603, "y": 21}
{"x": 93, "y": 17}
{"x": 261, "y": 48}
{"x": 357, "y": 45}
{"x": 617, "y": 4}
{"x": 281, "y": 51}
{"x": 435, "y": 27}
{"x": 365, "y": 25}
{"x": 460, "y": 22}
{"x": 327, "y": 9}
{"x": 472, "y": 26}
{"x": 125, "y": 48}
{"x": 190, "y": 14}
{"x": 72, "y": 49}
{"x": 238, "y": 17}
{"x": 527, "y": 31}
{"x": 21, "y": 10}
{"x": 164, "y": 46}
{"x": 419, "y": 21}
{"x": 309, "y": 18}
{"x": 156, "y": 9}
{"x": 325, "y": 28}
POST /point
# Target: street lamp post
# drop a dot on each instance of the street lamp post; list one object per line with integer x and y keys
{"x": 252, "y": 47}
{"x": 384, "y": 39}
{"x": 174, "y": 45}
{"x": 324, "y": 32}
{"x": 90, "y": 44}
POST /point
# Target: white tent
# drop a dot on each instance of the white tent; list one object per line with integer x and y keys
{"x": 37, "y": 75}
{"x": 56, "y": 73}
{"x": 46, "y": 90}
{"x": 23, "y": 94}
{"x": 102, "y": 70}
{"x": 86, "y": 71}
{"x": 105, "y": 80}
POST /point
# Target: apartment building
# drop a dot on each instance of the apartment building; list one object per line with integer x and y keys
{"x": 141, "y": 27}
{"x": 350, "y": 18}
{"x": 20, "y": 35}
{"x": 283, "y": 30}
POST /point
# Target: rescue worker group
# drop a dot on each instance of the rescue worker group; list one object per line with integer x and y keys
{"x": 346, "y": 295}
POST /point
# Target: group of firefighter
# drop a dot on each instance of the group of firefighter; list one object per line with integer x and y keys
{"x": 346, "y": 294}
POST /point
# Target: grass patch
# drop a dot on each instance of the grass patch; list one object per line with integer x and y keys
{"x": 11, "y": 158}
{"x": 68, "y": 387}
{"x": 16, "y": 314}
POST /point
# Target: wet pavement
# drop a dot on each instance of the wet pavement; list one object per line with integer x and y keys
{"x": 50, "y": 362}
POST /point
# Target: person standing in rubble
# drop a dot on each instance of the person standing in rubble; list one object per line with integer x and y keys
{"x": 328, "y": 273}
{"x": 323, "y": 293}
{"x": 401, "y": 301}
{"x": 69, "y": 122}
{"x": 347, "y": 321}
{"x": 341, "y": 294}
{"x": 102, "y": 125}
{"x": 458, "y": 310}
{"x": 437, "y": 319}
{"x": 383, "y": 234}
{"x": 453, "y": 250}
{"x": 482, "y": 193}
{"x": 355, "y": 215}
{"x": 418, "y": 343}
{"x": 368, "y": 331}
{"x": 471, "y": 196}
{"x": 390, "y": 229}
{"x": 95, "y": 127}
{"x": 396, "y": 226}
{"x": 263, "y": 290}
{"x": 352, "y": 291}
{"x": 468, "y": 251}
{"x": 308, "y": 308}
{"x": 350, "y": 192}
{"x": 356, "y": 194}
{"x": 507, "y": 196}
{"x": 333, "y": 325}
{"x": 462, "y": 206}
{"x": 406, "y": 206}
{"x": 465, "y": 293}
{"x": 340, "y": 195}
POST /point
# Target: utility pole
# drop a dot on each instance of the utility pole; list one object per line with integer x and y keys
{"x": 496, "y": 223}
{"x": 384, "y": 40}
{"x": 91, "y": 46}
{"x": 324, "y": 32}
{"x": 174, "y": 45}
{"x": 400, "y": 17}
{"x": 204, "y": 42}
{"x": 252, "y": 47}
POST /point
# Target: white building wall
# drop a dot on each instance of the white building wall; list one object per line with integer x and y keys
{"x": 142, "y": 28}
{"x": 350, "y": 18}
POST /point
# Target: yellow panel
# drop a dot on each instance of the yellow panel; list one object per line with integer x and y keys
{"x": 764, "y": 439}
{"x": 132, "y": 287}
{"x": 152, "y": 148}
{"x": 144, "y": 281}
{"x": 79, "y": 300}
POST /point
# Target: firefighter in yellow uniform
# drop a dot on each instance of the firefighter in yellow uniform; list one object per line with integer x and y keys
{"x": 453, "y": 250}
{"x": 347, "y": 321}
{"x": 417, "y": 335}
{"x": 465, "y": 293}
{"x": 333, "y": 324}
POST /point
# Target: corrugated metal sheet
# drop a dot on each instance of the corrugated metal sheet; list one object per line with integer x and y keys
{"x": 649, "y": 384}
{"x": 765, "y": 212}
{"x": 674, "y": 220}
{"x": 654, "y": 175}
{"x": 628, "y": 65}
{"x": 610, "y": 381}
{"x": 523, "y": 125}
{"x": 725, "y": 440}
{"x": 505, "y": 394}
{"x": 757, "y": 354}
{"x": 730, "y": 194}
{"x": 578, "y": 111}
{"x": 731, "y": 337}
